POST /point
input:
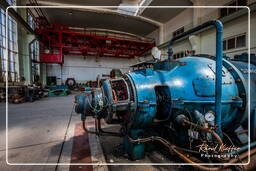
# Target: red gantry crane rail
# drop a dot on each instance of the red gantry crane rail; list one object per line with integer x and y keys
{"x": 58, "y": 40}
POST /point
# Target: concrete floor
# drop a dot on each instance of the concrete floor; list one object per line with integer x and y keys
{"x": 37, "y": 131}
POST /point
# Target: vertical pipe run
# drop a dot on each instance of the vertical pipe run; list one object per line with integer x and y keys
{"x": 218, "y": 84}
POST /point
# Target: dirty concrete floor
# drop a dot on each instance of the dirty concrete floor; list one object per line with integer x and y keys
{"x": 113, "y": 150}
{"x": 36, "y": 132}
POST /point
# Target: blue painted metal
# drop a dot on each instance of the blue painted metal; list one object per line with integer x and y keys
{"x": 218, "y": 91}
{"x": 189, "y": 87}
{"x": 58, "y": 87}
{"x": 88, "y": 103}
{"x": 136, "y": 150}
{"x": 180, "y": 90}
{"x": 184, "y": 95}
{"x": 244, "y": 57}
{"x": 242, "y": 69}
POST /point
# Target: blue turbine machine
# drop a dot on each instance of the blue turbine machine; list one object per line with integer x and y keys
{"x": 186, "y": 105}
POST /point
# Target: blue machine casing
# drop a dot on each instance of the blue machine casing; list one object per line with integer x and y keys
{"x": 171, "y": 90}
{"x": 190, "y": 86}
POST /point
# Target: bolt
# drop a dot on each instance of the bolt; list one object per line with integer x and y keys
{"x": 242, "y": 94}
{"x": 230, "y": 68}
{"x": 238, "y": 80}
{"x": 145, "y": 101}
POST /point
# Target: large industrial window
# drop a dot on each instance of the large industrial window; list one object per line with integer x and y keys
{"x": 227, "y": 11}
{"x": 178, "y": 55}
{"x": 11, "y": 2}
{"x": 178, "y": 32}
{"x": 30, "y": 19}
{"x": 33, "y": 50}
{"x": 234, "y": 42}
{"x": 183, "y": 54}
{"x": 34, "y": 55}
{"x": 12, "y": 53}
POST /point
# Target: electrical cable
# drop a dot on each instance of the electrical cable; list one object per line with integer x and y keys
{"x": 219, "y": 140}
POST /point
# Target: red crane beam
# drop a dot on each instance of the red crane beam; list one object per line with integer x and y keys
{"x": 59, "y": 40}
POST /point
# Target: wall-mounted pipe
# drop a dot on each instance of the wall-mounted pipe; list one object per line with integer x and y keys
{"x": 218, "y": 84}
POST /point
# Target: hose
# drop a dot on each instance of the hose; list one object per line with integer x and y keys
{"x": 188, "y": 160}
{"x": 243, "y": 156}
{"x": 173, "y": 148}
{"x": 217, "y": 137}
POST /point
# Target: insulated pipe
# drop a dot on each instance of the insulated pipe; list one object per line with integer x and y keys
{"x": 218, "y": 89}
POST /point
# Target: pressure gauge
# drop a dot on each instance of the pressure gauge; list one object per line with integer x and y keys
{"x": 209, "y": 116}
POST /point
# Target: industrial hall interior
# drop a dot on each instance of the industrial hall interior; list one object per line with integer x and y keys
{"x": 124, "y": 85}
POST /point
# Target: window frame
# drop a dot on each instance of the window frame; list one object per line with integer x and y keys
{"x": 227, "y": 9}
{"x": 12, "y": 53}
{"x": 30, "y": 19}
{"x": 225, "y": 41}
{"x": 34, "y": 56}
{"x": 178, "y": 31}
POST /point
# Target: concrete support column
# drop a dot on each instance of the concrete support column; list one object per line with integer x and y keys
{"x": 197, "y": 11}
{"x": 195, "y": 40}
{"x": 43, "y": 73}
{"x": 161, "y": 34}
{"x": 24, "y": 38}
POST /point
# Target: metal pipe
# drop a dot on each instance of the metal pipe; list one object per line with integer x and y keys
{"x": 218, "y": 84}
{"x": 173, "y": 148}
{"x": 241, "y": 157}
{"x": 217, "y": 137}
{"x": 244, "y": 148}
{"x": 199, "y": 117}
{"x": 100, "y": 130}
{"x": 183, "y": 156}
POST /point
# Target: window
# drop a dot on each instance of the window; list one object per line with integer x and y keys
{"x": 178, "y": 55}
{"x": 11, "y": 2}
{"x": 234, "y": 42}
{"x": 30, "y": 20}
{"x": 178, "y": 32}
{"x": 12, "y": 54}
{"x": 241, "y": 41}
{"x": 183, "y": 54}
{"x": 231, "y": 43}
{"x": 224, "y": 44}
{"x": 34, "y": 55}
{"x": 227, "y": 11}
